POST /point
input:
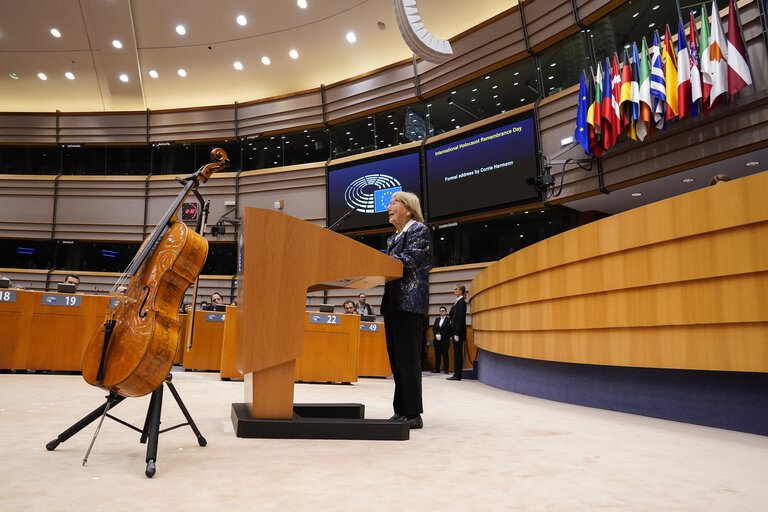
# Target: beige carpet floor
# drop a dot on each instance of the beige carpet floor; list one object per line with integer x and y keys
{"x": 480, "y": 449}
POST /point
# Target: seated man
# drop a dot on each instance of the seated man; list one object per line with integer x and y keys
{"x": 72, "y": 279}
{"x": 216, "y": 300}
{"x": 363, "y": 308}
{"x": 349, "y": 308}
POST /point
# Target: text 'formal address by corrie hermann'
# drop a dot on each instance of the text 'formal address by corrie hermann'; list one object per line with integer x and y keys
{"x": 474, "y": 142}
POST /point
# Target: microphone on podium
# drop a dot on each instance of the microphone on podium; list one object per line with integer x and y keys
{"x": 342, "y": 219}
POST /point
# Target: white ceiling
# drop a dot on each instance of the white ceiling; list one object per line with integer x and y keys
{"x": 213, "y": 42}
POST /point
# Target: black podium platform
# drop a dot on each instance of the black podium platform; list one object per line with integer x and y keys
{"x": 319, "y": 421}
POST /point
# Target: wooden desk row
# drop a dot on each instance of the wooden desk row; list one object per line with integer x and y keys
{"x": 337, "y": 348}
{"x": 50, "y": 331}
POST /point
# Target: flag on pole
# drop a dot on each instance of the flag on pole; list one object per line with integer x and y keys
{"x": 625, "y": 105}
{"x": 594, "y": 114}
{"x": 634, "y": 94}
{"x": 616, "y": 83}
{"x": 695, "y": 73}
{"x": 611, "y": 127}
{"x": 739, "y": 75}
{"x": 718, "y": 66}
{"x": 581, "y": 134}
{"x": 706, "y": 74}
{"x": 683, "y": 73}
{"x": 670, "y": 75}
{"x": 658, "y": 87}
{"x": 645, "y": 121}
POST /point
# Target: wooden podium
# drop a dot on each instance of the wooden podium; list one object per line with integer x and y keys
{"x": 282, "y": 258}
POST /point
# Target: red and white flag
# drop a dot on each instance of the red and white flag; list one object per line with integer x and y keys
{"x": 739, "y": 75}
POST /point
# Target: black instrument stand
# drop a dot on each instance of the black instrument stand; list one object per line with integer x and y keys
{"x": 151, "y": 430}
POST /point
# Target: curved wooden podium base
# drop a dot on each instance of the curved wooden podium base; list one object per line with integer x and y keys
{"x": 319, "y": 421}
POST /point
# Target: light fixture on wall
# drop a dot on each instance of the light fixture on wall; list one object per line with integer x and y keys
{"x": 278, "y": 205}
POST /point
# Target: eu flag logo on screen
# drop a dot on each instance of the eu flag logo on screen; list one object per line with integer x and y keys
{"x": 383, "y": 197}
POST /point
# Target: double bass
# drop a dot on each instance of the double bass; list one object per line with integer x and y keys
{"x": 133, "y": 351}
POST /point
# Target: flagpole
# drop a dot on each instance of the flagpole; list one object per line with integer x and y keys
{"x": 741, "y": 32}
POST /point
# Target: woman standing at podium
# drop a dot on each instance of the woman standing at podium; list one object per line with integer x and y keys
{"x": 404, "y": 304}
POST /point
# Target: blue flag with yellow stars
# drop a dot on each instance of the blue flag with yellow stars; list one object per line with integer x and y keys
{"x": 581, "y": 134}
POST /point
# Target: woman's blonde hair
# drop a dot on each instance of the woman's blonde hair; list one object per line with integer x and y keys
{"x": 411, "y": 202}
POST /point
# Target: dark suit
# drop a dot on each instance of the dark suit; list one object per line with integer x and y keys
{"x": 458, "y": 315}
{"x": 404, "y": 307}
{"x": 444, "y": 343}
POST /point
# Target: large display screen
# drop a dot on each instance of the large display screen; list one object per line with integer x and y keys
{"x": 482, "y": 171}
{"x": 363, "y": 189}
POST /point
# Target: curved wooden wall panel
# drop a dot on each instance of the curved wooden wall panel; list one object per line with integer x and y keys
{"x": 547, "y": 20}
{"x": 28, "y": 128}
{"x": 212, "y": 123}
{"x": 589, "y": 10}
{"x": 100, "y": 208}
{"x": 681, "y": 283}
{"x": 280, "y": 114}
{"x": 301, "y": 187}
{"x": 26, "y": 206}
{"x": 389, "y": 86}
{"x": 103, "y": 128}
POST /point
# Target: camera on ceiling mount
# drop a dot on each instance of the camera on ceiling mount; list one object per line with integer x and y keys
{"x": 543, "y": 182}
{"x": 218, "y": 230}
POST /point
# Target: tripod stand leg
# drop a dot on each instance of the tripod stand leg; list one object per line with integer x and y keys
{"x": 112, "y": 400}
{"x": 200, "y": 439}
{"x": 152, "y": 429}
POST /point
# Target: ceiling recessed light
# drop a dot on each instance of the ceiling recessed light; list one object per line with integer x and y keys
{"x": 181, "y": 30}
{"x": 42, "y": 76}
{"x": 636, "y": 194}
{"x": 117, "y": 44}
{"x": 153, "y": 73}
{"x": 70, "y": 75}
{"x": 688, "y": 180}
{"x": 238, "y": 65}
{"x": 241, "y": 20}
{"x": 381, "y": 25}
{"x": 55, "y": 32}
{"x": 265, "y": 60}
{"x": 294, "y": 54}
{"x": 123, "y": 77}
{"x": 182, "y": 73}
{"x": 351, "y": 37}
{"x": 752, "y": 164}
{"x": 302, "y": 3}
{"x": 13, "y": 75}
